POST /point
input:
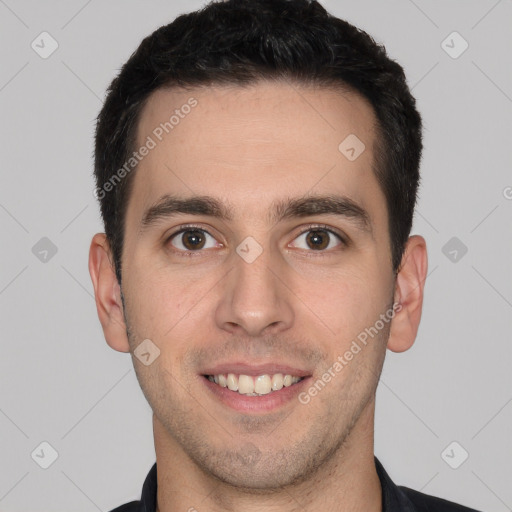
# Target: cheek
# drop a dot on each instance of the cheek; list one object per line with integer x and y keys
{"x": 156, "y": 302}
{"x": 349, "y": 303}
{"x": 172, "y": 310}
{"x": 344, "y": 299}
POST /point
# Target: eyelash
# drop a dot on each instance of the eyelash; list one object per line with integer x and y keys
{"x": 310, "y": 227}
{"x": 323, "y": 227}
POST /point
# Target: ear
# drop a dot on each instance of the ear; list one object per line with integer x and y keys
{"x": 107, "y": 293}
{"x": 410, "y": 282}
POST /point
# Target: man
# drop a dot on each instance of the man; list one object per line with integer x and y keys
{"x": 257, "y": 167}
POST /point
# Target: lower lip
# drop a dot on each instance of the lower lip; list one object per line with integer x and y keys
{"x": 256, "y": 404}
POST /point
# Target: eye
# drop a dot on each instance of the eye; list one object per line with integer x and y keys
{"x": 192, "y": 239}
{"x": 318, "y": 239}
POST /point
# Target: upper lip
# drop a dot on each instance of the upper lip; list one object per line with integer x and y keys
{"x": 254, "y": 370}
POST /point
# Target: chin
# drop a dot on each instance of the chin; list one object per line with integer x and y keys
{"x": 252, "y": 470}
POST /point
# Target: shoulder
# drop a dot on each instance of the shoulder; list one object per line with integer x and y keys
{"x": 133, "y": 506}
{"x": 425, "y": 503}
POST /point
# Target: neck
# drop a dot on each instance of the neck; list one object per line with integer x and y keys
{"x": 348, "y": 481}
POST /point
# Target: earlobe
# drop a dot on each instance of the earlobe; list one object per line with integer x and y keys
{"x": 410, "y": 282}
{"x": 107, "y": 294}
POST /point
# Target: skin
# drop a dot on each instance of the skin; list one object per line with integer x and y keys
{"x": 294, "y": 304}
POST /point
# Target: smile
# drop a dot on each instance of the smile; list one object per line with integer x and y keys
{"x": 253, "y": 386}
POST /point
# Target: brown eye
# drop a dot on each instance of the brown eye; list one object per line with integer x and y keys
{"x": 317, "y": 240}
{"x": 192, "y": 240}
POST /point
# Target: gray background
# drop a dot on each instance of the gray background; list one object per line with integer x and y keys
{"x": 62, "y": 384}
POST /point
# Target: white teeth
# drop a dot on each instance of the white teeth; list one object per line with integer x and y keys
{"x": 232, "y": 382}
{"x": 262, "y": 385}
{"x": 277, "y": 381}
{"x": 245, "y": 384}
{"x": 254, "y": 386}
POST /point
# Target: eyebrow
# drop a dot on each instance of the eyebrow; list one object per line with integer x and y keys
{"x": 169, "y": 206}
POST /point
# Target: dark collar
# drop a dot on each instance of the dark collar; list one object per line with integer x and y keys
{"x": 393, "y": 498}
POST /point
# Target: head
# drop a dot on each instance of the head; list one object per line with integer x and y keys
{"x": 259, "y": 119}
{"x": 240, "y": 42}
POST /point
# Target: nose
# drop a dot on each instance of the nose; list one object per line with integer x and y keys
{"x": 255, "y": 300}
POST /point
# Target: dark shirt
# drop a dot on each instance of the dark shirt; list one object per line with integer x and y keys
{"x": 394, "y": 498}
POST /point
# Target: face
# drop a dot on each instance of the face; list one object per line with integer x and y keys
{"x": 279, "y": 263}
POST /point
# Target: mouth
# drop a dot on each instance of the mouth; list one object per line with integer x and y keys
{"x": 255, "y": 389}
{"x": 249, "y": 385}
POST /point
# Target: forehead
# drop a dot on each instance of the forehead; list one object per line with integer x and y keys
{"x": 253, "y": 145}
